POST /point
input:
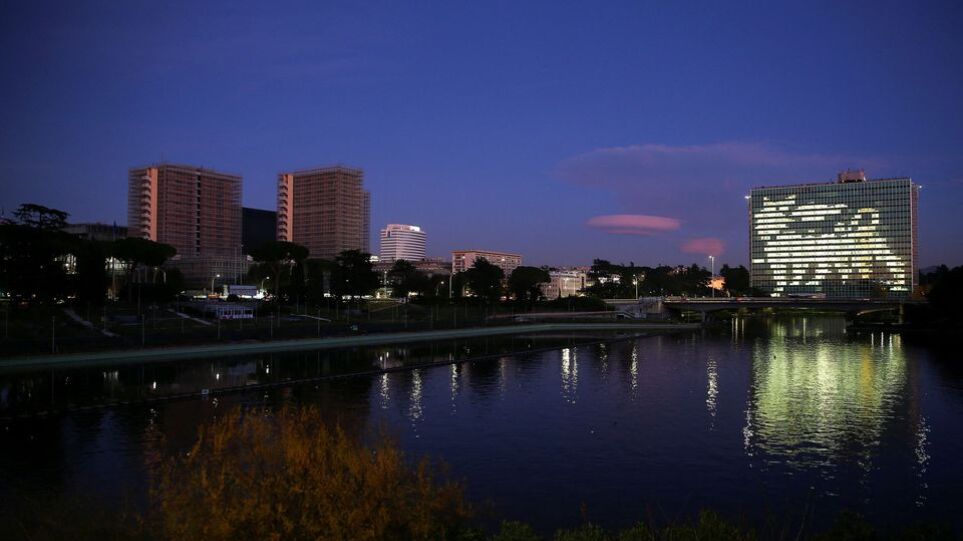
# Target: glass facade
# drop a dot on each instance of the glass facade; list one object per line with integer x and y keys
{"x": 842, "y": 239}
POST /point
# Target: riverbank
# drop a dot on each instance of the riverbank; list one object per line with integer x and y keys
{"x": 160, "y": 354}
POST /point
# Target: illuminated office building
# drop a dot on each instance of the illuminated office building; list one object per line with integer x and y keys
{"x": 849, "y": 238}
{"x": 399, "y": 241}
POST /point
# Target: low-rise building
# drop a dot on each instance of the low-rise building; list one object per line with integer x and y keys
{"x": 462, "y": 260}
{"x": 564, "y": 283}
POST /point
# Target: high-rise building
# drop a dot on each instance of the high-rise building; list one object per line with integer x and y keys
{"x": 258, "y": 227}
{"x": 849, "y": 238}
{"x": 195, "y": 210}
{"x": 399, "y": 241}
{"x": 325, "y": 209}
{"x": 462, "y": 260}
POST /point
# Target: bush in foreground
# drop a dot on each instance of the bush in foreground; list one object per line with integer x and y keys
{"x": 291, "y": 476}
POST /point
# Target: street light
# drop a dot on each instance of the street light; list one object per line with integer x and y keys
{"x": 635, "y": 281}
{"x": 212, "y": 282}
{"x": 712, "y": 274}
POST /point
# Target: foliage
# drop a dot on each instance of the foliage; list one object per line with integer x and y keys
{"x": 291, "y": 476}
{"x": 405, "y": 279}
{"x": 317, "y": 273}
{"x": 484, "y": 280}
{"x": 512, "y": 530}
{"x": 40, "y": 217}
{"x": 616, "y": 281}
{"x": 136, "y": 251}
{"x": 946, "y": 293}
{"x": 737, "y": 280}
{"x": 275, "y": 257}
{"x": 353, "y": 275}
{"x": 524, "y": 283}
{"x": 33, "y": 253}
{"x": 578, "y": 304}
{"x": 91, "y": 281}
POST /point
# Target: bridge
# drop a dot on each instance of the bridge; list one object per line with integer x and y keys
{"x": 645, "y": 307}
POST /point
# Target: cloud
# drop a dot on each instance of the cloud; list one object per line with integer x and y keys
{"x": 705, "y": 246}
{"x": 702, "y": 186}
{"x": 633, "y": 224}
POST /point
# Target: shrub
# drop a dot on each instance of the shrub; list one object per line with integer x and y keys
{"x": 291, "y": 476}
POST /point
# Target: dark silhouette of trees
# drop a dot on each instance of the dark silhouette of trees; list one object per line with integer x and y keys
{"x": 138, "y": 252}
{"x": 91, "y": 280}
{"x": 525, "y": 283}
{"x": 274, "y": 258}
{"x": 616, "y": 281}
{"x": 484, "y": 280}
{"x": 946, "y": 294}
{"x": 737, "y": 279}
{"x": 317, "y": 278}
{"x": 353, "y": 275}
{"x": 34, "y": 252}
{"x": 405, "y": 280}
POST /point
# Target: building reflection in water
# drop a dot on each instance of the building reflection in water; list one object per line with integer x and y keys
{"x": 415, "y": 411}
{"x": 454, "y": 369}
{"x": 569, "y": 366}
{"x": 385, "y": 392}
{"x": 827, "y": 403}
{"x": 712, "y": 389}
{"x": 634, "y": 367}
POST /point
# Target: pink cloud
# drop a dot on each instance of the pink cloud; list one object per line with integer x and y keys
{"x": 705, "y": 246}
{"x": 633, "y": 224}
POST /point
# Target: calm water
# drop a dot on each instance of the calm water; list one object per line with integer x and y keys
{"x": 774, "y": 419}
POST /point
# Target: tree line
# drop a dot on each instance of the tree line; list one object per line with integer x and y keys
{"x": 42, "y": 263}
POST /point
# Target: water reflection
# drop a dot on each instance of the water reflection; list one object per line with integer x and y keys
{"x": 415, "y": 410}
{"x": 569, "y": 367}
{"x": 712, "y": 389}
{"x": 46, "y": 391}
{"x": 795, "y": 408}
{"x": 815, "y": 403}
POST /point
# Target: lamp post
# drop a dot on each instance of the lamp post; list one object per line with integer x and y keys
{"x": 712, "y": 274}
{"x": 635, "y": 281}
{"x": 212, "y": 282}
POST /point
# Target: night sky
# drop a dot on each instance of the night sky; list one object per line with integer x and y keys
{"x": 561, "y": 131}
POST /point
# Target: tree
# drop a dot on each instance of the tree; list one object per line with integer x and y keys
{"x": 91, "y": 280}
{"x": 405, "y": 279}
{"x": 318, "y": 273}
{"x": 40, "y": 217}
{"x": 525, "y": 283}
{"x": 276, "y": 256}
{"x": 484, "y": 280}
{"x": 946, "y": 296}
{"x": 353, "y": 275}
{"x": 737, "y": 279}
{"x": 136, "y": 252}
{"x": 33, "y": 253}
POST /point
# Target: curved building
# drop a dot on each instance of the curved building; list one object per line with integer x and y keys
{"x": 400, "y": 241}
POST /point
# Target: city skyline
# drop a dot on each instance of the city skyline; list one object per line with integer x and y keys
{"x": 588, "y": 133}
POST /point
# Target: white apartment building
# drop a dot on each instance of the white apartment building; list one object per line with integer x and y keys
{"x": 401, "y": 241}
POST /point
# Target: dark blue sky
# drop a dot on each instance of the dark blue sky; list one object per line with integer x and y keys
{"x": 517, "y": 126}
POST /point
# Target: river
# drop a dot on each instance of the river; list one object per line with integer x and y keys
{"x": 773, "y": 419}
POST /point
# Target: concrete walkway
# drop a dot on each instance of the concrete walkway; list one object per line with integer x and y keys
{"x": 74, "y": 316}
{"x": 108, "y": 358}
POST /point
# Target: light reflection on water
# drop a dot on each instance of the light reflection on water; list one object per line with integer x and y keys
{"x": 774, "y": 415}
{"x": 814, "y": 402}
